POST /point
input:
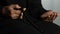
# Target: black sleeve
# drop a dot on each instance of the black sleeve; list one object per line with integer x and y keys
{"x": 36, "y": 8}
{"x": 48, "y": 27}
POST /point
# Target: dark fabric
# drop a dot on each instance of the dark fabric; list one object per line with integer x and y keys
{"x": 8, "y": 2}
{"x": 28, "y": 25}
{"x": 36, "y": 9}
{"x": 18, "y": 26}
{"x": 48, "y": 27}
{"x": 43, "y": 26}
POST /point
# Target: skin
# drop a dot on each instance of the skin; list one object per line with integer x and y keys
{"x": 14, "y": 11}
{"x": 49, "y": 16}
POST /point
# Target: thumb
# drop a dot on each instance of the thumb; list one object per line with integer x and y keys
{"x": 21, "y": 17}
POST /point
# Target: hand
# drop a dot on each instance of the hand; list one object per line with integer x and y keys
{"x": 14, "y": 11}
{"x": 49, "y": 16}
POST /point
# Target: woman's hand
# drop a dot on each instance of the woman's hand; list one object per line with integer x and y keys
{"x": 14, "y": 11}
{"x": 49, "y": 16}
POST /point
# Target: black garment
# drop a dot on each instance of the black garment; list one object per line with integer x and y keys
{"x": 17, "y": 27}
{"x": 28, "y": 25}
{"x": 36, "y": 9}
{"x": 9, "y": 2}
{"x": 43, "y": 26}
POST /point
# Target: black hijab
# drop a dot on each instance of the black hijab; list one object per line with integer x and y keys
{"x": 8, "y": 2}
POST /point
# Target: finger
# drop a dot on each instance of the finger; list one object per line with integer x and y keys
{"x": 24, "y": 9}
{"x": 21, "y": 17}
{"x": 51, "y": 16}
{"x": 17, "y": 7}
{"x": 54, "y": 16}
{"x": 58, "y": 14}
{"x": 46, "y": 14}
